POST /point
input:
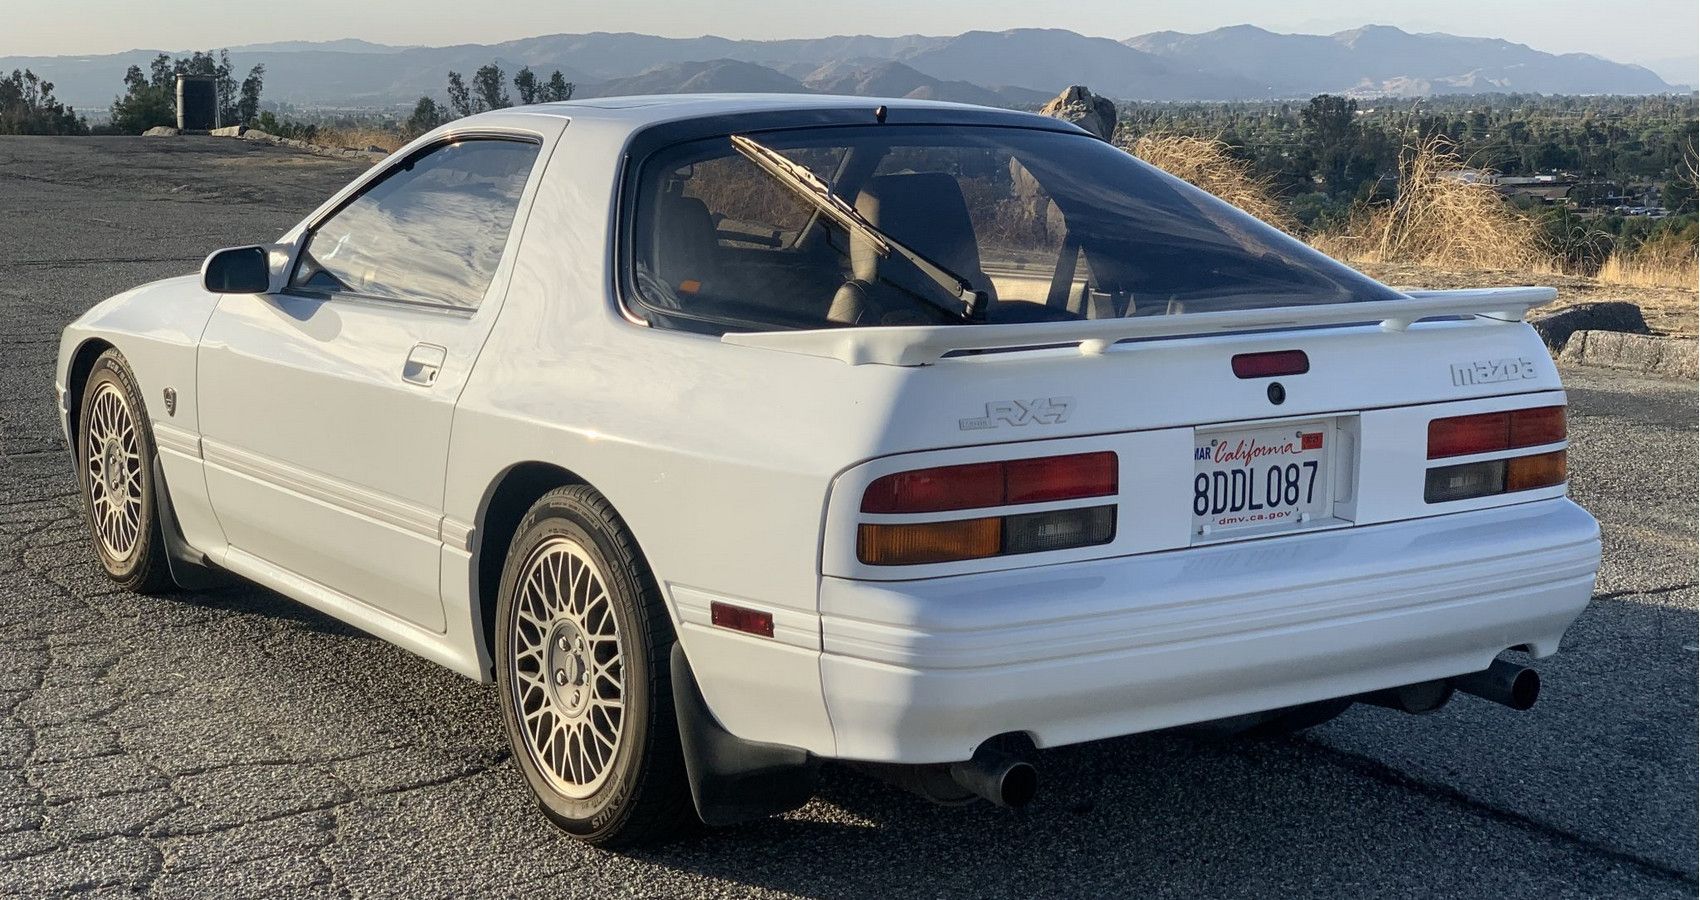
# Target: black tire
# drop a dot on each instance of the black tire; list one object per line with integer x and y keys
{"x": 132, "y": 551}
{"x": 641, "y": 794}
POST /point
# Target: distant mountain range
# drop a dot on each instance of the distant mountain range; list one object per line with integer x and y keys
{"x": 1010, "y": 68}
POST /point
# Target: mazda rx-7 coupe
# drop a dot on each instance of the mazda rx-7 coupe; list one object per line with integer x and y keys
{"x": 730, "y": 435}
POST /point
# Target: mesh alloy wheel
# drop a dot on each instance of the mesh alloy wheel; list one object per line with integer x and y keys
{"x": 566, "y": 668}
{"x": 113, "y": 464}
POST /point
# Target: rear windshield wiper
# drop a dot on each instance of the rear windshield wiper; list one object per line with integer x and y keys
{"x": 809, "y": 186}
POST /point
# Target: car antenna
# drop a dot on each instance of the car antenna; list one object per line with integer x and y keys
{"x": 879, "y": 114}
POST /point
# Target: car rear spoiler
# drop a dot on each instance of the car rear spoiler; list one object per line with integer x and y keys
{"x": 917, "y": 345}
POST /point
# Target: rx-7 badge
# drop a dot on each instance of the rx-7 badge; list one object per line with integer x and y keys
{"x": 1044, "y": 411}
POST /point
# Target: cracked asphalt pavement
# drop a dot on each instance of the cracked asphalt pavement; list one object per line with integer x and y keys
{"x": 234, "y": 743}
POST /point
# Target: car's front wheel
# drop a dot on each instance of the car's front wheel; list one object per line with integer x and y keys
{"x": 583, "y": 670}
{"x": 115, "y": 453}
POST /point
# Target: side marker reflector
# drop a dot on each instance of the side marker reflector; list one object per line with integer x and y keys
{"x": 737, "y": 618}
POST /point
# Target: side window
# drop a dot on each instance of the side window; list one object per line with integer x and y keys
{"x": 430, "y": 231}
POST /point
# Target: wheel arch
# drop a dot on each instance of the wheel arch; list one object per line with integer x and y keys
{"x": 76, "y": 378}
{"x": 506, "y": 501}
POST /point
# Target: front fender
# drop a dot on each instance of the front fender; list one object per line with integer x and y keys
{"x": 157, "y": 327}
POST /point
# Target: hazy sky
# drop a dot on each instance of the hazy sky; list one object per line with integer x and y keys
{"x": 1626, "y": 30}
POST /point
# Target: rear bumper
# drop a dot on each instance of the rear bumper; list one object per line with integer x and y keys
{"x": 924, "y": 671}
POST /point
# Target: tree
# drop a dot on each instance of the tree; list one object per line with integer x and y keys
{"x": 558, "y": 89}
{"x": 147, "y": 101}
{"x": 1330, "y": 120}
{"x": 460, "y": 100}
{"x": 1331, "y": 135}
{"x": 489, "y": 88}
{"x": 224, "y": 85}
{"x": 160, "y": 71}
{"x": 151, "y": 100}
{"x": 27, "y": 107}
{"x": 526, "y": 83}
{"x": 248, "y": 108}
{"x": 426, "y": 116}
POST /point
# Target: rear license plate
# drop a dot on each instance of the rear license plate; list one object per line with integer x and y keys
{"x": 1265, "y": 478}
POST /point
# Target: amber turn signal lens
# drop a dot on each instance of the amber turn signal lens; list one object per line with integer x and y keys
{"x": 1529, "y": 472}
{"x": 928, "y": 542}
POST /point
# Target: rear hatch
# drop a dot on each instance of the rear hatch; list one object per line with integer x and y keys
{"x": 1018, "y": 456}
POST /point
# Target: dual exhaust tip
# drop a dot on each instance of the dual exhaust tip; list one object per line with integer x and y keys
{"x": 1012, "y": 783}
{"x": 1506, "y": 683}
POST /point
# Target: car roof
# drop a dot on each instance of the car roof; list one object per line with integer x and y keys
{"x": 641, "y": 111}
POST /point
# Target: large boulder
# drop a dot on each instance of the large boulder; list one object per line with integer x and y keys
{"x": 229, "y": 131}
{"x": 1084, "y": 108}
{"x": 1556, "y": 328}
{"x": 160, "y": 131}
{"x": 1645, "y": 354}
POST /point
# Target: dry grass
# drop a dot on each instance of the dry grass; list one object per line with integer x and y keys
{"x": 1209, "y": 164}
{"x": 1655, "y": 264}
{"x": 359, "y": 138}
{"x": 1438, "y": 220}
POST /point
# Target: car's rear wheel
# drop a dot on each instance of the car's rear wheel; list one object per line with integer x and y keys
{"x": 115, "y": 454}
{"x": 583, "y": 671}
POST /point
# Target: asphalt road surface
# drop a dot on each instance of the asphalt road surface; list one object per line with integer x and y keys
{"x": 238, "y": 744}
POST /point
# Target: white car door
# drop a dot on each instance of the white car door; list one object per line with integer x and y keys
{"x": 325, "y": 408}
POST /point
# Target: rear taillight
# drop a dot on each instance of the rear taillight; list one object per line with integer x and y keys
{"x": 1496, "y": 431}
{"x": 979, "y": 485}
{"x": 1050, "y": 479}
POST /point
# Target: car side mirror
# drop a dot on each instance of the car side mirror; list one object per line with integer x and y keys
{"x": 237, "y": 270}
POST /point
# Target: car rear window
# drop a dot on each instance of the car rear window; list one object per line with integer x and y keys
{"x": 1047, "y": 225}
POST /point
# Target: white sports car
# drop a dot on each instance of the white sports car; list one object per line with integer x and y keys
{"x": 731, "y": 434}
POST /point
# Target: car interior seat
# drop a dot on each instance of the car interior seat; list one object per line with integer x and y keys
{"x": 927, "y": 212}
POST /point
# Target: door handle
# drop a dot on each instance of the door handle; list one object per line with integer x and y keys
{"x": 424, "y": 362}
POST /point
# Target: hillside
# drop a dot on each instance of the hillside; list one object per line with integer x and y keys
{"x": 894, "y": 79}
{"x": 1016, "y": 67}
{"x": 718, "y": 76}
{"x": 1383, "y": 59}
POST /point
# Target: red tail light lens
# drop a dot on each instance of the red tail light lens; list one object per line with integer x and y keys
{"x": 1269, "y": 365}
{"x": 1492, "y": 432}
{"x": 1463, "y": 435}
{"x": 979, "y": 485}
{"x": 1060, "y": 478}
{"x": 937, "y": 490}
{"x": 1534, "y": 427}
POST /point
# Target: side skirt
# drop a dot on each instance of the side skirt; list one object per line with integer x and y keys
{"x": 734, "y": 780}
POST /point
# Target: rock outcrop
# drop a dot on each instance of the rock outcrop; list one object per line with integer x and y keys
{"x": 1556, "y": 328}
{"x": 1084, "y": 108}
